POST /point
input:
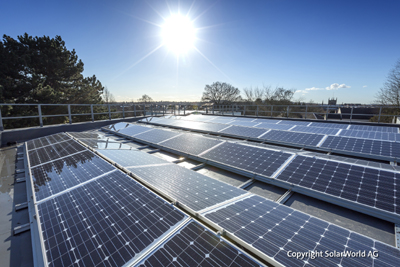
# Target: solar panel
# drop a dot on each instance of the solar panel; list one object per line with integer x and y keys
{"x": 270, "y": 121}
{"x": 243, "y": 123}
{"x": 249, "y": 158}
{"x": 54, "y": 177}
{"x": 118, "y": 126}
{"x": 316, "y": 130}
{"x": 47, "y": 140}
{"x": 109, "y": 221}
{"x": 53, "y": 152}
{"x": 300, "y": 123}
{"x": 274, "y": 126}
{"x": 156, "y": 135}
{"x": 374, "y": 128}
{"x": 293, "y": 137}
{"x": 384, "y": 136}
{"x": 329, "y": 125}
{"x": 244, "y": 131}
{"x": 193, "y": 189}
{"x": 134, "y": 129}
{"x": 195, "y": 245}
{"x": 132, "y": 158}
{"x": 86, "y": 135}
{"x": 191, "y": 144}
{"x": 363, "y": 146}
{"x": 276, "y": 230}
{"x": 99, "y": 144}
{"x": 202, "y": 126}
{"x": 367, "y": 186}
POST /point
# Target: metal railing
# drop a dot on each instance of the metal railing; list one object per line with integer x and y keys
{"x": 95, "y": 112}
{"x": 101, "y": 111}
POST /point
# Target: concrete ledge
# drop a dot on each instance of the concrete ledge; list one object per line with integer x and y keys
{"x": 22, "y": 135}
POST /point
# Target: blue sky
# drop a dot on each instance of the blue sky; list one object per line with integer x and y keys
{"x": 345, "y": 46}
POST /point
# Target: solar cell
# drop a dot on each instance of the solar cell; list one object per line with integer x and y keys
{"x": 329, "y": 125}
{"x": 132, "y": 158}
{"x": 156, "y": 135}
{"x": 316, "y": 130}
{"x": 385, "y": 136}
{"x": 275, "y": 230}
{"x": 191, "y": 144}
{"x": 293, "y": 137}
{"x": 363, "y": 146}
{"x": 244, "y": 131}
{"x": 53, "y": 152}
{"x": 109, "y": 221}
{"x": 273, "y": 126}
{"x": 363, "y": 185}
{"x": 195, "y": 245}
{"x": 47, "y": 140}
{"x": 374, "y": 128}
{"x": 249, "y": 158}
{"x": 54, "y": 177}
{"x": 190, "y": 188}
{"x": 134, "y": 130}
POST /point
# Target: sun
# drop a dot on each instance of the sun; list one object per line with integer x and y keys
{"x": 178, "y": 34}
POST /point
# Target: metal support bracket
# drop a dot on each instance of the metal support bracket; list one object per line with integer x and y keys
{"x": 22, "y": 228}
{"x": 198, "y": 167}
{"x": 21, "y": 206}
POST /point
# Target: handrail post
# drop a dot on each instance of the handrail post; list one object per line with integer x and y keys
{"x": 1, "y": 121}
{"x": 244, "y": 110}
{"x": 69, "y": 114}
{"x": 287, "y": 112}
{"x": 40, "y": 115}
{"x": 109, "y": 112}
{"x": 380, "y": 112}
{"x": 257, "y": 110}
{"x": 91, "y": 111}
{"x": 272, "y": 107}
{"x": 306, "y": 112}
{"x": 184, "y": 110}
{"x": 326, "y": 114}
{"x": 351, "y": 114}
{"x": 123, "y": 110}
{"x": 213, "y": 108}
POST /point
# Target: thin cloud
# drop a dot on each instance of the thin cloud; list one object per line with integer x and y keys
{"x": 314, "y": 89}
{"x": 336, "y": 86}
{"x": 364, "y": 86}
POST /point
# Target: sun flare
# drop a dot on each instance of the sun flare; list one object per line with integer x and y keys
{"x": 178, "y": 34}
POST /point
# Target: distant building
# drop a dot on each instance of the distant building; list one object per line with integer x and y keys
{"x": 332, "y": 102}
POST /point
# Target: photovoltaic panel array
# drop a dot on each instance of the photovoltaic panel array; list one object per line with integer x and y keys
{"x": 109, "y": 221}
{"x": 100, "y": 144}
{"x": 316, "y": 130}
{"x": 367, "y": 186}
{"x": 253, "y": 159}
{"x": 273, "y": 126}
{"x": 156, "y": 135}
{"x": 132, "y": 158}
{"x": 243, "y": 131}
{"x": 195, "y": 245}
{"x": 329, "y": 125}
{"x": 59, "y": 175}
{"x": 190, "y": 143}
{"x": 202, "y": 126}
{"x": 47, "y": 140}
{"x": 190, "y": 188}
{"x": 276, "y": 229}
{"x": 363, "y": 146}
{"x": 118, "y": 126}
{"x": 243, "y": 123}
{"x": 300, "y": 123}
{"x": 385, "y": 136}
{"x": 295, "y": 138}
{"x": 53, "y": 152}
{"x": 374, "y": 128}
{"x": 134, "y": 130}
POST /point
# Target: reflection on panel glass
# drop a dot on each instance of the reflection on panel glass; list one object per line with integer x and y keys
{"x": 59, "y": 175}
{"x": 99, "y": 144}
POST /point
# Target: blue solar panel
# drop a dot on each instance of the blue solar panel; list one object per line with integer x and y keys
{"x": 244, "y": 131}
{"x": 300, "y": 123}
{"x": 374, "y": 128}
{"x": 134, "y": 130}
{"x": 47, "y": 140}
{"x": 316, "y": 130}
{"x": 190, "y": 188}
{"x": 54, "y": 177}
{"x": 367, "y": 186}
{"x": 254, "y": 159}
{"x": 385, "y": 136}
{"x": 274, "y": 126}
{"x": 109, "y": 221}
{"x": 243, "y": 123}
{"x": 363, "y": 146}
{"x": 305, "y": 139}
{"x": 329, "y": 125}
{"x": 156, "y": 135}
{"x": 276, "y": 230}
{"x": 191, "y": 144}
{"x": 195, "y": 245}
{"x": 132, "y": 158}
